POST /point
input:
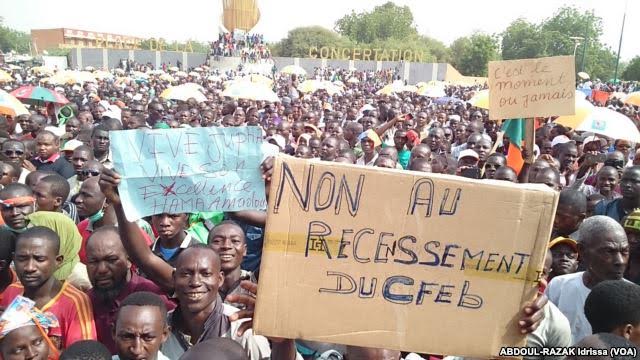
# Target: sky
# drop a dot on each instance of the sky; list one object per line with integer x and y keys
{"x": 200, "y": 19}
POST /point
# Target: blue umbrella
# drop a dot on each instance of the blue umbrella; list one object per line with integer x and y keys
{"x": 446, "y": 99}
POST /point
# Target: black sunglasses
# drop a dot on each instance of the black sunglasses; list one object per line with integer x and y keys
{"x": 90, "y": 172}
{"x": 14, "y": 152}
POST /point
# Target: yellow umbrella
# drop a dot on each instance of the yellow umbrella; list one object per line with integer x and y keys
{"x": 167, "y": 77}
{"x": 583, "y": 109}
{"x": 10, "y": 105}
{"x": 5, "y": 76}
{"x": 42, "y": 70}
{"x": 72, "y": 77}
{"x": 480, "y": 99}
{"x": 309, "y": 86}
{"x": 293, "y": 69}
{"x": 183, "y": 93}
{"x": 101, "y": 75}
{"x": 410, "y": 88}
{"x": 633, "y": 98}
{"x": 259, "y": 79}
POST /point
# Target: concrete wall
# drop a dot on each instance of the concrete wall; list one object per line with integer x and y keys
{"x": 412, "y": 72}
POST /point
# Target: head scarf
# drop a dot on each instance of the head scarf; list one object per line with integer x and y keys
{"x": 70, "y": 239}
{"x": 22, "y": 312}
{"x": 371, "y": 135}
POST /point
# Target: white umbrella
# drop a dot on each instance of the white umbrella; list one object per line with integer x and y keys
{"x": 293, "y": 69}
{"x": 611, "y": 124}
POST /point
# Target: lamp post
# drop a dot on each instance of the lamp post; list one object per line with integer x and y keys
{"x": 576, "y": 40}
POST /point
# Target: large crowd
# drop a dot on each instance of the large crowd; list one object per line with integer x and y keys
{"x": 249, "y": 48}
{"x": 183, "y": 286}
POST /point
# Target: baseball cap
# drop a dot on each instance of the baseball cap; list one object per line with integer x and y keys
{"x": 278, "y": 139}
{"x": 468, "y": 153}
{"x": 593, "y": 138}
{"x": 564, "y": 240}
{"x": 560, "y": 139}
{"x": 71, "y": 145}
{"x": 632, "y": 221}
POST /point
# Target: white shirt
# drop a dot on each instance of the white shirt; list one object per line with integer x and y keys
{"x": 569, "y": 293}
{"x": 360, "y": 160}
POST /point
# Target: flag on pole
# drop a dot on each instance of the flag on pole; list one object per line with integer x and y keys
{"x": 514, "y": 129}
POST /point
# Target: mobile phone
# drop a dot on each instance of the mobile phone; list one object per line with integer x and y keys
{"x": 600, "y": 158}
{"x": 471, "y": 173}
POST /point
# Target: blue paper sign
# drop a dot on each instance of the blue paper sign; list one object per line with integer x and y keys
{"x": 188, "y": 170}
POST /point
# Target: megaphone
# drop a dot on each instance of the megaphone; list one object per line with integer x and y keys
{"x": 65, "y": 113}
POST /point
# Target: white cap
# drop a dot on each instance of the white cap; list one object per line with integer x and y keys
{"x": 560, "y": 139}
{"x": 468, "y": 153}
{"x": 72, "y": 145}
{"x": 593, "y": 139}
{"x": 279, "y": 139}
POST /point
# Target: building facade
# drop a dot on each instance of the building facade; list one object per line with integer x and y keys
{"x": 46, "y": 39}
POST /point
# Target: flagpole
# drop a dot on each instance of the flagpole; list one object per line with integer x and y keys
{"x": 624, "y": 17}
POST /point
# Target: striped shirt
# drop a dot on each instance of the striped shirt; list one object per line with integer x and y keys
{"x": 71, "y": 307}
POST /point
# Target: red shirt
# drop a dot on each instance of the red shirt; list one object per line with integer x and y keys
{"x": 71, "y": 307}
{"x": 105, "y": 313}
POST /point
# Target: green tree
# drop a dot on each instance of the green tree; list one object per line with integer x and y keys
{"x": 523, "y": 40}
{"x": 632, "y": 71}
{"x": 471, "y": 55}
{"x": 13, "y": 40}
{"x": 299, "y": 40}
{"x": 384, "y": 22}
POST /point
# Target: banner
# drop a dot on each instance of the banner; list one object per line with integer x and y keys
{"x": 400, "y": 260}
{"x": 532, "y": 87}
{"x": 188, "y": 170}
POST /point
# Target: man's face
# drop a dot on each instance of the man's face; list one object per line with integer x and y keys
{"x": 197, "y": 279}
{"x": 169, "y": 225}
{"x": 78, "y": 159}
{"x": 624, "y": 147}
{"x": 297, "y": 129}
{"x": 107, "y": 264}
{"x": 27, "y": 124}
{"x": 25, "y": 343}
{"x": 367, "y": 123}
{"x": 565, "y": 259}
{"x": 44, "y": 198}
{"x": 385, "y": 162}
{"x": 461, "y": 134}
{"x": 536, "y": 167}
{"x": 492, "y": 164}
{"x": 85, "y": 118}
{"x": 435, "y": 138}
{"x": 90, "y": 199}
{"x": 329, "y": 149}
{"x": 98, "y": 112}
{"x": 73, "y": 126}
{"x": 184, "y": 117}
{"x": 35, "y": 260}
{"x": 368, "y": 146}
{"x": 630, "y": 184}
{"x": 253, "y": 119}
{"x": 46, "y": 146}
{"x": 14, "y": 151}
{"x": 420, "y": 152}
{"x": 100, "y": 140}
{"x": 567, "y": 219}
{"x": 229, "y": 242}
{"x": 16, "y": 215}
{"x": 5, "y": 175}
{"x": 303, "y": 152}
{"x": 483, "y": 147}
{"x": 568, "y": 157}
{"x": 139, "y": 332}
{"x": 607, "y": 256}
{"x": 546, "y": 148}
{"x": 607, "y": 179}
{"x": 400, "y": 139}
{"x": 421, "y": 120}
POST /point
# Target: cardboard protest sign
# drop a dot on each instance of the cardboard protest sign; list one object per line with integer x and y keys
{"x": 400, "y": 260}
{"x": 188, "y": 170}
{"x": 532, "y": 87}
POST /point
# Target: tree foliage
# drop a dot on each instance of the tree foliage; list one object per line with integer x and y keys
{"x": 387, "y": 21}
{"x": 471, "y": 55}
{"x": 299, "y": 40}
{"x": 13, "y": 40}
{"x": 632, "y": 70}
{"x": 552, "y": 37}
